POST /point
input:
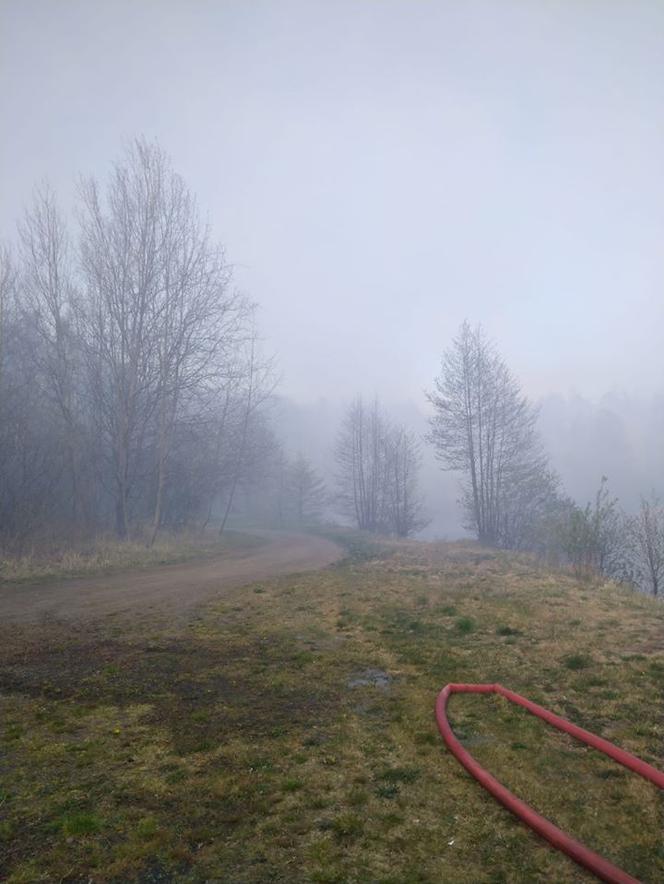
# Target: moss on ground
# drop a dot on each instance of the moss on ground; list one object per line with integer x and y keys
{"x": 288, "y": 734}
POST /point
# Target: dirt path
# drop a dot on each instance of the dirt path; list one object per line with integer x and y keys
{"x": 167, "y": 589}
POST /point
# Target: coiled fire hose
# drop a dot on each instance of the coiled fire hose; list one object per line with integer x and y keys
{"x": 581, "y": 854}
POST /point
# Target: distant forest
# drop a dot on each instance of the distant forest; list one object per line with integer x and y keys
{"x": 137, "y": 394}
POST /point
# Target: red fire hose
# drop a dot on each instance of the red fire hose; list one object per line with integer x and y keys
{"x": 581, "y": 854}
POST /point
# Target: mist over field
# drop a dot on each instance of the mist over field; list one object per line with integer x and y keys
{"x": 331, "y": 441}
{"x": 377, "y": 173}
{"x": 616, "y": 434}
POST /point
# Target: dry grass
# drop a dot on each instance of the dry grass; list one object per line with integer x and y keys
{"x": 103, "y": 555}
{"x": 239, "y": 751}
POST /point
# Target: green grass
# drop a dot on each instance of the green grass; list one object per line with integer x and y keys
{"x": 465, "y": 625}
{"x": 104, "y": 555}
{"x": 578, "y": 661}
{"x": 234, "y": 748}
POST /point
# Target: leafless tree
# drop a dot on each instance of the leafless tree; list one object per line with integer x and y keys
{"x": 30, "y": 465}
{"x": 159, "y": 317}
{"x": 361, "y": 464}
{"x": 197, "y": 326}
{"x": 484, "y": 427}
{"x": 377, "y": 472}
{"x": 7, "y": 290}
{"x": 404, "y": 459}
{"x": 306, "y": 490}
{"x": 7, "y": 286}
{"x": 124, "y": 250}
{"x": 48, "y": 302}
{"x": 132, "y": 388}
{"x": 257, "y": 384}
{"x": 646, "y": 535}
{"x": 593, "y": 537}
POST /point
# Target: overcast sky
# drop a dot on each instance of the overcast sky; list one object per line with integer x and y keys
{"x": 380, "y": 170}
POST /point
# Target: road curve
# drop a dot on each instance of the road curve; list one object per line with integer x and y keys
{"x": 165, "y": 589}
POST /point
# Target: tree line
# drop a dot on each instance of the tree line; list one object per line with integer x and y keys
{"x": 378, "y": 463}
{"x": 134, "y": 394}
{"x": 132, "y": 384}
{"x": 484, "y": 428}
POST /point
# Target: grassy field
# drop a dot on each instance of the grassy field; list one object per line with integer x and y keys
{"x": 288, "y": 733}
{"x": 103, "y": 555}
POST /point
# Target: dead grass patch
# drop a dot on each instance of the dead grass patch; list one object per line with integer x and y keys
{"x": 235, "y": 749}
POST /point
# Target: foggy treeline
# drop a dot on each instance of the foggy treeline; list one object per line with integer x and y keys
{"x": 135, "y": 394}
{"x": 134, "y": 391}
{"x": 133, "y": 388}
{"x": 484, "y": 428}
{"x": 378, "y": 463}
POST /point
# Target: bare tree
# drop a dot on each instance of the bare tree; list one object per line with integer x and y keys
{"x": 197, "y": 327}
{"x": 405, "y": 502}
{"x": 484, "y": 427}
{"x": 131, "y": 387}
{"x": 7, "y": 286}
{"x": 49, "y": 305}
{"x": 593, "y": 537}
{"x": 258, "y": 382}
{"x": 159, "y": 318}
{"x": 646, "y": 534}
{"x": 30, "y": 464}
{"x": 7, "y": 289}
{"x": 531, "y": 514}
{"x": 377, "y": 472}
{"x": 306, "y": 491}
{"x": 124, "y": 253}
{"x": 362, "y": 464}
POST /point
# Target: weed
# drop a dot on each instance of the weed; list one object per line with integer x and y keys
{"x": 80, "y": 824}
{"x": 146, "y": 828}
{"x": 347, "y": 826}
{"x": 507, "y": 630}
{"x": 577, "y": 661}
{"x": 399, "y": 774}
{"x": 292, "y": 785}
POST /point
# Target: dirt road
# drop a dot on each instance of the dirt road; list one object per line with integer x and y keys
{"x": 167, "y": 589}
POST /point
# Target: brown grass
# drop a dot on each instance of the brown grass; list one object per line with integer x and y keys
{"x": 236, "y": 749}
{"x": 103, "y": 555}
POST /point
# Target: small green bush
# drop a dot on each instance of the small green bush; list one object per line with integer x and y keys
{"x": 507, "y": 630}
{"x": 465, "y": 625}
{"x": 577, "y": 661}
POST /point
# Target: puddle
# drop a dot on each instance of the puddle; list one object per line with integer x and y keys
{"x": 371, "y": 678}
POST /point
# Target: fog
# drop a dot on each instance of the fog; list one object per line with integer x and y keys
{"x": 380, "y": 171}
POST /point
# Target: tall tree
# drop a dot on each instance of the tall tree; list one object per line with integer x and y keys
{"x": 306, "y": 491}
{"x": 124, "y": 250}
{"x": 7, "y": 285}
{"x": 377, "y": 472}
{"x": 131, "y": 388}
{"x": 257, "y": 384}
{"x": 49, "y": 301}
{"x": 362, "y": 465}
{"x": 160, "y": 320}
{"x": 404, "y": 460}
{"x": 593, "y": 537}
{"x": 484, "y": 427}
{"x": 646, "y": 535}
